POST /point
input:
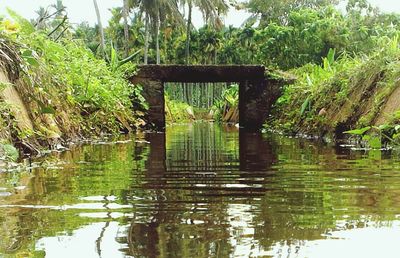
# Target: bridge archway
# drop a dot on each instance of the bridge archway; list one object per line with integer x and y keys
{"x": 258, "y": 91}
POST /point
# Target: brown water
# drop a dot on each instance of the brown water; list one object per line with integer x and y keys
{"x": 203, "y": 190}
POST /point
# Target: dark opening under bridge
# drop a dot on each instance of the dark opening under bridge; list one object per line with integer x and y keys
{"x": 258, "y": 90}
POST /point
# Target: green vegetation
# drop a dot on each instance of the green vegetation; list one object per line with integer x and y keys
{"x": 345, "y": 94}
{"x": 196, "y": 101}
{"x": 176, "y": 111}
{"x": 202, "y": 101}
{"x": 226, "y": 109}
{"x": 289, "y": 34}
{"x": 345, "y": 63}
{"x": 322, "y": 45}
{"x": 67, "y": 92}
{"x": 9, "y": 152}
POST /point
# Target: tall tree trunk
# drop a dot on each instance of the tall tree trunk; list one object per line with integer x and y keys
{"x": 158, "y": 37}
{"x": 101, "y": 29}
{"x": 125, "y": 13}
{"x": 189, "y": 24}
{"x": 146, "y": 40}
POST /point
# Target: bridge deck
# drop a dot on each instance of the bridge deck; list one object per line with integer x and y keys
{"x": 200, "y": 73}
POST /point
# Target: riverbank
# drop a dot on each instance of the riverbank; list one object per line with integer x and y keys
{"x": 346, "y": 96}
{"x": 56, "y": 91}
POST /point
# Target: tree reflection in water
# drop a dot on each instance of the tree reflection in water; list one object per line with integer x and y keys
{"x": 200, "y": 190}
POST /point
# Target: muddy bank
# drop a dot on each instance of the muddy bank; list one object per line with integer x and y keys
{"x": 342, "y": 95}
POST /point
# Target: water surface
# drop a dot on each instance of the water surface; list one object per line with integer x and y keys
{"x": 204, "y": 190}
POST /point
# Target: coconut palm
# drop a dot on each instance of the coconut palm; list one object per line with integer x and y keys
{"x": 211, "y": 10}
{"x": 101, "y": 29}
{"x": 125, "y": 14}
{"x": 156, "y": 13}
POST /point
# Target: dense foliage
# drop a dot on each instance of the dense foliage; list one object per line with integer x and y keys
{"x": 301, "y": 33}
{"x": 352, "y": 95}
{"x": 280, "y": 34}
{"x": 67, "y": 90}
{"x": 315, "y": 40}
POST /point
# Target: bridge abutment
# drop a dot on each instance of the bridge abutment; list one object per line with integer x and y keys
{"x": 153, "y": 93}
{"x": 256, "y": 99}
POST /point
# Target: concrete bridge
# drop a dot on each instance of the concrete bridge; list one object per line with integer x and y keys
{"x": 258, "y": 91}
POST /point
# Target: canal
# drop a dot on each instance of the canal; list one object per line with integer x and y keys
{"x": 203, "y": 190}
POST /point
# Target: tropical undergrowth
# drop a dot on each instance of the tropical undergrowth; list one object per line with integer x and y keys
{"x": 68, "y": 92}
{"x": 344, "y": 95}
{"x": 226, "y": 108}
{"x": 178, "y": 111}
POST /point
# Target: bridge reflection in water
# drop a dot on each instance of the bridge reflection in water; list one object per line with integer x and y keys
{"x": 200, "y": 178}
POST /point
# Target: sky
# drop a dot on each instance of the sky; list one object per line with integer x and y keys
{"x": 82, "y": 10}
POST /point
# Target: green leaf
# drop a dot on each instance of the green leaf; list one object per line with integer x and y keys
{"x": 27, "y": 52}
{"x": 383, "y": 127}
{"x": 331, "y": 56}
{"x": 10, "y": 152}
{"x": 129, "y": 58}
{"x": 27, "y": 55}
{"x": 366, "y": 137}
{"x": 48, "y": 110}
{"x": 32, "y": 61}
{"x": 358, "y": 131}
{"x": 114, "y": 59}
{"x": 304, "y": 106}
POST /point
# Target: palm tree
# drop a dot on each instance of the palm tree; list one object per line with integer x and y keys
{"x": 125, "y": 14}
{"x": 41, "y": 20}
{"x": 146, "y": 39}
{"x": 156, "y": 13}
{"x": 211, "y": 10}
{"x": 101, "y": 29}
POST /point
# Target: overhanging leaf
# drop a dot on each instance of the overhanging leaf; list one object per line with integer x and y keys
{"x": 358, "y": 131}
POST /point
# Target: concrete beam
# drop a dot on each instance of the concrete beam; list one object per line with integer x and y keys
{"x": 199, "y": 73}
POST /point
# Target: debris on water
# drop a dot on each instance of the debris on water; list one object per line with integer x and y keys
{"x": 123, "y": 142}
{"x": 138, "y": 141}
{"x": 347, "y": 145}
{"x": 54, "y": 168}
{"x": 20, "y": 188}
{"x": 5, "y": 194}
{"x": 83, "y": 162}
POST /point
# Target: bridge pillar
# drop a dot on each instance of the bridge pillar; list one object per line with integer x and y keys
{"x": 255, "y": 102}
{"x": 153, "y": 92}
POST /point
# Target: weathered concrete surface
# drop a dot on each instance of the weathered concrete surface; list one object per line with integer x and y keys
{"x": 153, "y": 92}
{"x": 201, "y": 73}
{"x": 256, "y": 99}
{"x": 257, "y": 93}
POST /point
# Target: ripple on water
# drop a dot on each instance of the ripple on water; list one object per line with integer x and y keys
{"x": 204, "y": 191}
